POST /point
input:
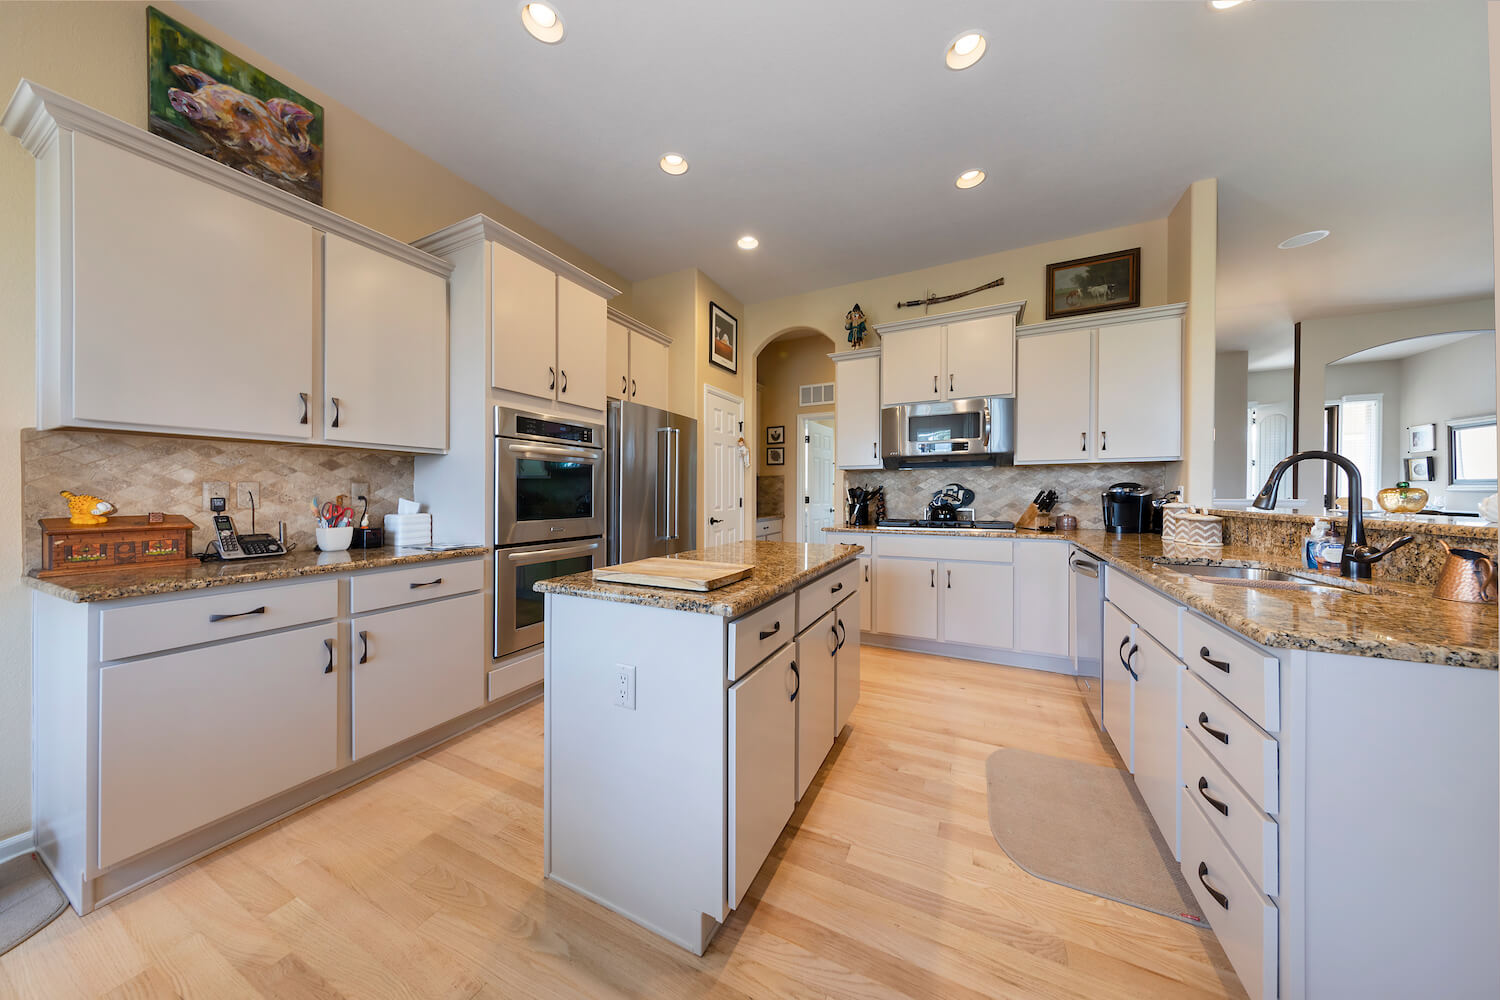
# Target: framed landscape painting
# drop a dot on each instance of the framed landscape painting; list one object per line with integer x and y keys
{"x": 1094, "y": 284}
{"x": 723, "y": 338}
{"x": 215, "y": 103}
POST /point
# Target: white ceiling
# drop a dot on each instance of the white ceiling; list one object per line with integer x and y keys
{"x": 1406, "y": 348}
{"x": 833, "y": 131}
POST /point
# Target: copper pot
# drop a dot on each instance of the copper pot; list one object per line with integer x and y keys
{"x": 1466, "y": 576}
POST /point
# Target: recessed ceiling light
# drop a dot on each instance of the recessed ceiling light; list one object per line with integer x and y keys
{"x": 674, "y": 163}
{"x": 747, "y": 242}
{"x": 1224, "y": 4}
{"x": 1302, "y": 239}
{"x": 965, "y": 50}
{"x": 543, "y": 22}
{"x": 970, "y": 178}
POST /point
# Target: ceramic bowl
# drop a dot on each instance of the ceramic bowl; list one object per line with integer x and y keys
{"x": 335, "y": 539}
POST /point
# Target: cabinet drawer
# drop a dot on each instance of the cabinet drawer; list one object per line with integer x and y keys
{"x": 1156, "y": 614}
{"x": 1248, "y": 755}
{"x": 761, "y": 633}
{"x": 1239, "y": 670}
{"x": 1244, "y": 920}
{"x": 226, "y": 613}
{"x": 816, "y": 599}
{"x": 1250, "y": 834}
{"x": 441, "y": 578}
{"x": 843, "y": 538}
{"x": 944, "y": 547}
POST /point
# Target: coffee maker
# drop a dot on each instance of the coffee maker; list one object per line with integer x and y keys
{"x": 1127, "y": 509}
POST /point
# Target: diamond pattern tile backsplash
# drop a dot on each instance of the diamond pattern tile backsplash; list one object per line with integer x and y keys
{"x": 1003, "y": 493}
{"x": 140, "y": 473}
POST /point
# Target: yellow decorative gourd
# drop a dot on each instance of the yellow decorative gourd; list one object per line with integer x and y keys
{"x": 87, "y": 509}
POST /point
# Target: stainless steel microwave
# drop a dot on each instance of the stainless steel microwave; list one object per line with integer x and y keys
{"x": 978, "y": 431}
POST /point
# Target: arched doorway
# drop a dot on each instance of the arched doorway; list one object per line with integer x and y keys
{"x": 796, "y": 487}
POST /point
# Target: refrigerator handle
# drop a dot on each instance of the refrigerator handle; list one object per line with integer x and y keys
{"x": 663, "y": 472}
{"x": 676, "y": 482}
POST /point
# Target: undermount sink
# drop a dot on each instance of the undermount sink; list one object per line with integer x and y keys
{"x": 1254, "y": 576}
{"x": 1234, "y": 572}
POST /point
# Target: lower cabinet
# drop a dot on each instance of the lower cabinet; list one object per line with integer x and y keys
{"x": 184, "y": 738}
{"x": 762, "y": 764}
{"x": 1243, "y": 919}
{"x": 846, "y": 694}
{"x": 1157, "y": 733}
{"x": 817, "y": 658}
{"x": 1119, "y": 682}
{"x": 906, "y": 597}
{"x": 414, "y": 668}
{"x": 977, "y": 603}
{"x": 1042, "y": 598}
{"x": 866, "y": 595}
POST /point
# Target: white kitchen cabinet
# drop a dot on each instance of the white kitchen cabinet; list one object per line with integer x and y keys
{"x": 762, "y": 765}
{"x": 580, "y": 345}
{"x": 817, "y": 654}
{"x": 385, "y": 349}
{"x": 856, "y": 406}
{"x": 1139, "y": 402}
{"x": 616, "y": 359}
{"x": 1120, "y": 647}
{"x": 524, "y": 324}
{"x": 414, "y": 668}
{"x": 1157, "y": 733}
{"x": 976, "y": 600}
{"x": 953, "y": 356}
{"x": 1044, "y": 594}
{"x": 906, "y": 599}
{"x": 846, "y": 695}
{"x": 911, "y": 369}
{"x": 636, "y": 361}
{"x": 1054, "y": 397}
{"x": 866, "y": 595}
{"x": 981, "y": 357}
{"x": 190, "y": 737}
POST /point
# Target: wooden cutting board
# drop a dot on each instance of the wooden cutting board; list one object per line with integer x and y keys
{"x": 675, "y": 574}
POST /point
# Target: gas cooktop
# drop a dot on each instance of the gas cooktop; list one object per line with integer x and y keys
{"x": 948, "y": 525}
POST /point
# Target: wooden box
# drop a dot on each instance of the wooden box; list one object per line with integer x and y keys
{"x": 125, "y": 542}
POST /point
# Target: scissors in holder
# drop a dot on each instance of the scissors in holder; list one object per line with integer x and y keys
{"x": 336, "y": 516}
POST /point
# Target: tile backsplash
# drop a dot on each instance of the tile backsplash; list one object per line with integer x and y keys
{"x": 1003, "y": 492}
{"x": 139, "y": 473}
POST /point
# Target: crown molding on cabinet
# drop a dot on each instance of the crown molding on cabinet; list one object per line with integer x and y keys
{"x": 863, "y": 352}
{"x": 476, "y": 228}
{"x": 921, "y": 322}
{"x": 36, "y": 115}
{"x": 632, "y": 323}
{"x": 1093, "y": 320}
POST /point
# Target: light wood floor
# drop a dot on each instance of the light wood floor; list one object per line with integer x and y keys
{"x": 426, "y": 882}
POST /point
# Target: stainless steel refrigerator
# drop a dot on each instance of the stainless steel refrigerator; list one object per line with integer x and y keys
{"x": 653, "y": 481}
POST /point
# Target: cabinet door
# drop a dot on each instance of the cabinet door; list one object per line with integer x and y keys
{"x": 866, "y": 595}
{"x": 188, "y": 738}
{"x": 977, "y": 600}
{"x": 1119, "y": 684}
{"x": 581, "y": 321}
{"x": 906, "y": 597}
{"x": 981, "y": 357}
{"x": 1158, "y": 736}
{"x": 648, "y": 371}
{"x": 817, "y": 648}
{"x": 856, "y": 406}
{"x": 192, "y": 306}
{"x": 911, "y": 369}
{"x": 1140, "y": 391}
{"x": 524, "y": 355}
{"x": 617, "y": 361}
{"x": 385, "y": 349}
{"x": 1042, "y": 602}
{"x": 415, "y": 668}
{"x": 846, "y": 668}
{"x": 1053, "y": 397}
{"x": 762, "y": 765}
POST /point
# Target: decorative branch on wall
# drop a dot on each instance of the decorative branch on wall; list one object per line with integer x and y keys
{"x": 932, "y": 300}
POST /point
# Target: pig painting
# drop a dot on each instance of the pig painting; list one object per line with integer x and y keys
{"x": 216, "y": 104}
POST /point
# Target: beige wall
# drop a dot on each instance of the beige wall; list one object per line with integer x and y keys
{"x": 785, "y": 366}
{"x": 96, "y": 53}
{"x": 1192, "y": 270}
{"x": 1231, "y": 405}
{"x": 1368, "y": 378}
{"x": 1449, "y": 383}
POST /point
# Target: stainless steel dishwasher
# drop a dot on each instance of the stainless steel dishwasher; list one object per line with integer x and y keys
{"x": 1088, "y": 632}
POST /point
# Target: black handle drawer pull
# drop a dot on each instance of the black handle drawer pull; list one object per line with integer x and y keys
{"x": 950, "y": 381}
{"x": 1123, "y": 643}
{"x": 335, "y": 410}
{"x": 834, "y": 631}
{"x": 773, "y": 630}
{"x": 1223, "y": 807}
{"x": 565, "y": 379}
{"x": 429, "y": 583}
{"x": 836, "y": 589}
{"x": 624, "y": 385}
{"x": 364, "y": 647}
{"x": 932, "y": 578}
{"x": 1221, "y": 664}
{"x": 241, "y": 614}
{"x": 552, "y": 375}
{"x": 328, "y": 644}
{"x": 795, "y": 690}
{"x": 934, "y": 384}
{"x": 1217, "y": 734}
{"x": 1218, "y": 896}
{"x": 304, "y": 407}
{"x": 632, "y": 388}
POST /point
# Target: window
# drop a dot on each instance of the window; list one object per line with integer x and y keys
{"x": 1471, "y": 453}
{"x": 1357, "y": 429}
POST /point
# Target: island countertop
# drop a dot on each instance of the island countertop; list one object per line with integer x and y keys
{"x": 780, "y": 568}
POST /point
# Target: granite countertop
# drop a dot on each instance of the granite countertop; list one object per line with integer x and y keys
{"x": 113, "y": 585}
{"x": 944, "y": 532}
{"x": 780, "y": 568}
{"x": 1376, "y": 520}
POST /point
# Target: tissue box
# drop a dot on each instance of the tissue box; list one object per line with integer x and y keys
{"x": 408, "y": 529}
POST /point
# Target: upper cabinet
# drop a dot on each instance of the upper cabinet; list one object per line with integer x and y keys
{"x": 178, "y": 295}
{"x": 954, "y": 356}
{"x": 856, "y": 405}
{"x": 635, "y": 362}
{"x": 1101, "y": 388}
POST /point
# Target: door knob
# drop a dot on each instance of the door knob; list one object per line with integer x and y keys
{"x": 715, "y": 520}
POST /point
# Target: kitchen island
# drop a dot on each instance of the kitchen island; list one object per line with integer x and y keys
{"x": 683, "y": 727}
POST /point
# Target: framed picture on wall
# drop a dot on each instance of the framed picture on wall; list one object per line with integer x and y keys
{"x": 1094, "y": 284}
{"x": 1421, "y": 437}
{"x": 776, "y": 435}
{"x": 723, "y": 338}
{"x": 775, "y": 456}
{"x": 1419, "y": 470}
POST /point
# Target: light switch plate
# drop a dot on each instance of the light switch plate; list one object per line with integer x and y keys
{"x": 242, "y": 493}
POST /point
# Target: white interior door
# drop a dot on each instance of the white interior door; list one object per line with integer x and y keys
{"x": 818, "y": 508}
{"x": 1270, "y": 442}
{"x": 723, "y": 468}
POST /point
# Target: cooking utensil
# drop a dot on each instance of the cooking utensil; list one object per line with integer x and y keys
{"x": 336, "y": 515}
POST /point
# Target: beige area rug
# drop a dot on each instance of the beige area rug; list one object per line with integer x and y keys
{"x": 29, "y": 900}
{"x": 1086, "y": 827}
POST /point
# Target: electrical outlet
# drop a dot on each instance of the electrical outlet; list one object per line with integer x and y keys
{"x": 211, "y": 490}
{"x": 357, "y": 490}
{"x": 624, "y": 686}
{"x": 242, "y": 493}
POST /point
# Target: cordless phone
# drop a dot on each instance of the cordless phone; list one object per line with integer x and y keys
{"x": 230, "y": 545}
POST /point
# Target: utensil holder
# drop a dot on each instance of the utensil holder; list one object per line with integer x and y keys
{"x": 334, "y": 539}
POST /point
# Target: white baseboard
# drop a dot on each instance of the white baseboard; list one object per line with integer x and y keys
{"x": 14, "y": 847}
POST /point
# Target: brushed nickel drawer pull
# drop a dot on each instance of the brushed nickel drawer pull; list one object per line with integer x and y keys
{"x": 241, "y": 614}
{"x": 429, "y": 583}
